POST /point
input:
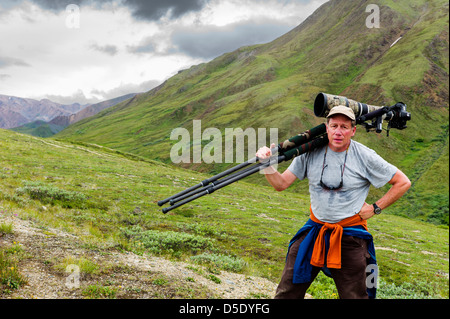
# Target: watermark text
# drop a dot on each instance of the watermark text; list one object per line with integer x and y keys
{"x": 211, "y": 146}
{"x": 373, "y": 19}
{"x": 73, "y": 16}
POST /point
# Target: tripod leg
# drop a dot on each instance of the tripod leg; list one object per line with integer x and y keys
{"x": 227, "y": 182}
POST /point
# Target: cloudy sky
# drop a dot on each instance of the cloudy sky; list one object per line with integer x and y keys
{"x": 90, "y": 50}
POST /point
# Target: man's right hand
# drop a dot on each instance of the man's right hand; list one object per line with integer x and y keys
{"x": 278, "y": 181}
{"x": 264, "y": 152}
{"x": 263, "y": 155}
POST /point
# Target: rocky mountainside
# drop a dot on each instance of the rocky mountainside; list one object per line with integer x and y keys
{"x": 66, "y": 120}
{"x": 49, "y": 128}
{"x": 16, "y": 111}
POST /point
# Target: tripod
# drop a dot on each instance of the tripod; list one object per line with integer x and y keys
{"x": 287, "y": 150}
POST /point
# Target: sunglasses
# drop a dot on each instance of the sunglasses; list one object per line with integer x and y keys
{"x": 322, "y": 184}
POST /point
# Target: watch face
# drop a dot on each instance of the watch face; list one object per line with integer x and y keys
{"x": 376, "y": 209}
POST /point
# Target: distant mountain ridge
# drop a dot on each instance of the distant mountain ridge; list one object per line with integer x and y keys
{"x": 16, "y": 111}
{"x": 44, "y": 128}
{"x": 66, "y": 120}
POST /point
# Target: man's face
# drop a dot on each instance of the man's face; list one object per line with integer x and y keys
{"x": 340, "y": 132}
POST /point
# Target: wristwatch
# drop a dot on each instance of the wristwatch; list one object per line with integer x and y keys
{"x": 376, "y": 209}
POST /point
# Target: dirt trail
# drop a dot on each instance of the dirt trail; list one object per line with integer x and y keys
{"x": 127, "y": 274}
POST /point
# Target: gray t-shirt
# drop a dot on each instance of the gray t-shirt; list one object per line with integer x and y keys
{"x": 363, "y": 167}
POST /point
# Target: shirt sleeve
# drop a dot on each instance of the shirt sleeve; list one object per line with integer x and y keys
{"x": 378, "y": 171}
{"x": 298, "y": 166}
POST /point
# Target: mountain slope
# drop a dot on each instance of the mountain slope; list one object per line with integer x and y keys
{"x": 39, "y": 128}
{"x": 46, "y": 129}
{"x": 274, "y": 85}
{"x": 89, "y": 111}
{"x": 9, "y": 118}
{"x": 16, "y": 111}
{"x": 104, "y": 202}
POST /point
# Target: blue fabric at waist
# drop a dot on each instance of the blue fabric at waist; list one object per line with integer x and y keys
{"x": 302, "y": 266}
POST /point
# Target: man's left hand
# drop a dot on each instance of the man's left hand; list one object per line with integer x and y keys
{"x": 366, "y": 211}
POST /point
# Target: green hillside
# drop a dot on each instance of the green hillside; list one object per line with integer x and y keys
{"x": 108, "y": 200}
{"x": 39, "y": 128}
{"x": 273, "y": 85}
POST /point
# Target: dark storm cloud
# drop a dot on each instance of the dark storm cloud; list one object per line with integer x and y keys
{"x": 213, "y": 41}
{"x": 208, "y": 42}
{"x": 155, "y": 9}
{"x": 57, "y": 5}
{"x": 141, "y": 9}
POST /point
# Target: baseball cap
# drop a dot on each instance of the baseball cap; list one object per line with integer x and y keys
{"x": 344, "y": 110}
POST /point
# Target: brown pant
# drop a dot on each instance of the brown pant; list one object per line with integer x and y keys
{"x": 350, "y": 280}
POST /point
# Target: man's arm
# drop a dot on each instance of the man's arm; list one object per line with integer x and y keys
{"x": 279, "y": 181}
{"x": 400, "y": 184}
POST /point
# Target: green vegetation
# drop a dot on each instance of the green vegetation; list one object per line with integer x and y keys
{"x": 39, "y": 128}
{"x": 86, "y": 266}
{"x": 100, "y": 292}
{"x": 158, "y": 242}
{"x": 242, "y": 228}
{"x": 10, "y": 276}
{"x": 221, "y": 261}
{"x": 6, "y": 229}
{"x": 52, "y": 195}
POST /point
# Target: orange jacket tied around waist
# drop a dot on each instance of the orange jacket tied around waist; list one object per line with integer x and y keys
{"x": 313, "y": 250}
{"x": 334, "y": 251}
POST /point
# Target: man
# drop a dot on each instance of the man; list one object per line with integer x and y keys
{"x": 335, "y": 238}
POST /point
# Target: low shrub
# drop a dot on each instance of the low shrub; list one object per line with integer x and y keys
{"x": 168, "y": 241}
{"x": 99, "y": 292}
{"x": 224, "y": 262}
{"x": 48, "y": 194}
{"x": 10, "y": 277}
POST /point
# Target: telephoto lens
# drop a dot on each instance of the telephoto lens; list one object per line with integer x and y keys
{"x": 325, "y": 102}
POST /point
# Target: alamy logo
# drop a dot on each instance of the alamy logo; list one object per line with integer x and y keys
{"x": 372, "y": 277}
{"x": 73, "y": 16}
{"x": 211, "y": 146}
{"x": 373, "y": 19}
{"x": 73, "y": 279}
